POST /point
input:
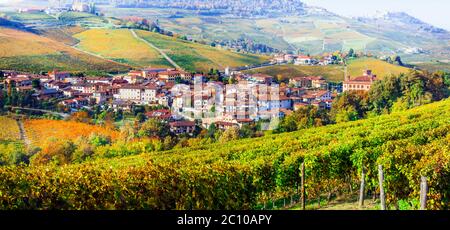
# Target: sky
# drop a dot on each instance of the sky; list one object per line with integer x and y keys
{"x": 435, "y": 12}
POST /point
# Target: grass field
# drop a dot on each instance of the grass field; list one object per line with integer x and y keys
{"x": 334, "y": 73}
{"x": 30, "y": 52}
{"x": 194, "y": 56}
{"x": 121, "y": 46}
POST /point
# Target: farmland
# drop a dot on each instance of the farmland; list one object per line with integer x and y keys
{"x": 334, "y": 73}
{"x": 9, "y": 129}
{"x": 194, "y": 56}
{"x": 39, "y": 131}
{"x": 246, "y": 173}
{"x": 120, "y": 46}
{"x": 30, "y": 52}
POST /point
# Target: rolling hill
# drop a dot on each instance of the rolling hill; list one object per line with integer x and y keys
{"x": 308, "y": 29}
{"x": 334, "y": 73}
{"x": 194, "y": 56}
{"x": 25, "y": 51}
{"x": 121, "y": 46}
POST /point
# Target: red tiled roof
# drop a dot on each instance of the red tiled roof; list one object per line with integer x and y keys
{"x": 182, "y": 123}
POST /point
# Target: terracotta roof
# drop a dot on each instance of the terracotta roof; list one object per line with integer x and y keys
{"x": 182, "y": 123}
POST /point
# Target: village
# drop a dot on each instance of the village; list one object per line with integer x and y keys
{"x": 184, "y": 98}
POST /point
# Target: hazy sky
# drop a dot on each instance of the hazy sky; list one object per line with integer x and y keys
{"x": 435, "y": 12}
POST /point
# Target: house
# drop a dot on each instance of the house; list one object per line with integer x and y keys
{"x": 75, "y": 103}
{"x": 19, "y": 80}
{"x": 309, "y": 82}
{"x": 133, "y": 79}
{"x": 261, "y": 79}
{"x": 361, "y": 83}
{"x": 316, "y": 95}
{"x": 74, "y": 79}
{"x": 123, "y": 105}
{"x": 223, "y": 125}
{"x": 163, "y": 114}
{"x": 45, "y": 94}
{"x": 182, "y": 127}
{"x": 140, "y": 94}
{"x": 94, "y": 80}
{"x": 100, "y": 97}
{"x": 58, "y": 76}
{"x": 84, "y": 87}
{"x": 299, "y": 105}
{"x": 58, "y": 85}
{"x": 303, "y": 60}
{"x": 169, "y": 75}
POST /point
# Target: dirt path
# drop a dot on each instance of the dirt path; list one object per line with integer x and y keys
{"x": 157, "y": 49}
{"x": 64, "y": 115}
{"x": 23, "y": 134}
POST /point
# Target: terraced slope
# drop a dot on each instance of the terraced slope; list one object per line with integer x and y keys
{"x": 26, "y": 51}
{"x": 120, "y": 45}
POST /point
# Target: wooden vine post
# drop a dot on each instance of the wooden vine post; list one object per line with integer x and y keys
{"x": 380, "y": 183}
{"x": 303, "y": 192}
{"x": 423, "y": 193}
{"x": 361, "y": 189}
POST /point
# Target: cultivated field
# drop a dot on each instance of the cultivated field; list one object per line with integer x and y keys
{"x": 30, "y": 52}
{"x": 194, "y": 56}
{"x": 334, "y": 73}
{"x": 38, "y": 131}
{"x": 9, "y": 129}
{"x": 120, "y": 45}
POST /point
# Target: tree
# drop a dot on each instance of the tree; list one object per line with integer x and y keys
{"x": 351, "y": 53}
{"x": 229, "y": 135}
{"x": 349, "y": 106}
{"x": 154, "y": 128}
{"x": 36, "y": 84}
{"x": 211, "y": 130}
{"x": 81, "y": 116}
{"x": 247, "y": 131}
{"x": 56, "y": 151}
{"x": 140, "y": 117}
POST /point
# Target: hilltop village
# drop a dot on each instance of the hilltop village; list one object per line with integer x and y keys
{"x": 182, "y": 97}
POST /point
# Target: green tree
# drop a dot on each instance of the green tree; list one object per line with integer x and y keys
{"x": 229, "y": 135}
{"x": 36, "y": 84}
{"x": 154, "y": 128}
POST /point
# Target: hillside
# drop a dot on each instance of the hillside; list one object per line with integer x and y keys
{"x": 245, "y": 174}
{"x": 307, "y": 29}
{"x": 26, "y": 51}
{"x": 194, "y": 56}
{"x": 121, "y": 46}
{"x": 334, "y": 73}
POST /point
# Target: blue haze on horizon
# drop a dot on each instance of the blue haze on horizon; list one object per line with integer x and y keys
{"x": 434, "y": 12}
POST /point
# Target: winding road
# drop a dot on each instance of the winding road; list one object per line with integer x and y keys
{"x": 174, "y": 64}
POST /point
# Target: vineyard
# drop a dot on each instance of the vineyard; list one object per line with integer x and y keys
{"x": 9, "y": 129}
{"x": 40, "y": 130}
{"x": 248, "y": 173}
